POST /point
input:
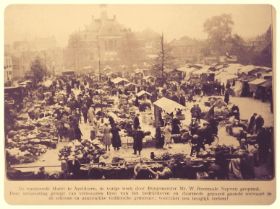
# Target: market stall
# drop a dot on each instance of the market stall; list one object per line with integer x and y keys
{"x": 165, "y": 105}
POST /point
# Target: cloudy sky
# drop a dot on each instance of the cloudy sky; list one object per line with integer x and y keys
{"x": 24, "y": 22}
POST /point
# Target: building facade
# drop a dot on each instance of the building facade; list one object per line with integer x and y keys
{"x": 8, "y": 69}
{"x": 99, "y": 41}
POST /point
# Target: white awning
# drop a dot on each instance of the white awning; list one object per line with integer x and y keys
{"x": 257, "y": 81}
{"x": 204, "y": 69}
{"x": 118, "y": 80}
{"x": 224, "y": 77}
{"x": 140, "y": 93}
{"x": 247, "y": 69}
{"x": 168, "y": 105}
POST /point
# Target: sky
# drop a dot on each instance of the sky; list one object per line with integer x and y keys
{"x": 25, "y": 22}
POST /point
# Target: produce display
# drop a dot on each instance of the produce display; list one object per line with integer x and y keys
{"x": 31, "y": 137}
{"x": 86, "y": 151}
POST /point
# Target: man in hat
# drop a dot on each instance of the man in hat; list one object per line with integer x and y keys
{"x": 197, "y": 144}
{"x": 42, "y": 173}
{"x": 136, "y": 122}
{"x": 138, "y": 140}
{"x": 84, "y": 111}
{"x": 73, "y": 165}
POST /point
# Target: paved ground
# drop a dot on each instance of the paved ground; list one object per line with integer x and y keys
{"x": 247, "y": 107}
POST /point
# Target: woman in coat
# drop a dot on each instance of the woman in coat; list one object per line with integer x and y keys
{"x": 159, "y": 138}
{"x": 107, "y": 136}
{"x": 91, "y": 115}
{"x": 116, "y": 139}
{"x": 167, "y": 134}
{"x": 138, "y": 140}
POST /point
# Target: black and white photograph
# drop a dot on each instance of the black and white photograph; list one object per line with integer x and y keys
{"x": 139, "y": 92}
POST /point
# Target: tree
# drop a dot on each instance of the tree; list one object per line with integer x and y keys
{"x": 237, "y": 46}
{"x": 264, "y": 55}
{"x": 219, "y": 29}
{"x": 37, "y": 71}
{"x": 164, "y": 59}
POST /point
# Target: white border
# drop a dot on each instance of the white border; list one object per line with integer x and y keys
{"x": 5, "y": 3}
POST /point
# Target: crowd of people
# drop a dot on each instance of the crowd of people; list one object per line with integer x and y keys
{"x": 80, "y": 100}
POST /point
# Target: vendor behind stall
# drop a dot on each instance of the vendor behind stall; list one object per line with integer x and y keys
{"x": 73, "y": 166}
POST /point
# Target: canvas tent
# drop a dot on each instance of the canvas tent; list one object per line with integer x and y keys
{"x": 255, "y": 83}
{"x": 204, "y": 69}
{"x": 247, "y": 69}
{"x": 232, "y": 68}
{"x": 119, "y": 80}
{"x": 168, "y": 105}
{"x": 224, "y": 77}
{"x": 142, "y": 93}
{"x": 267, "y": 84}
